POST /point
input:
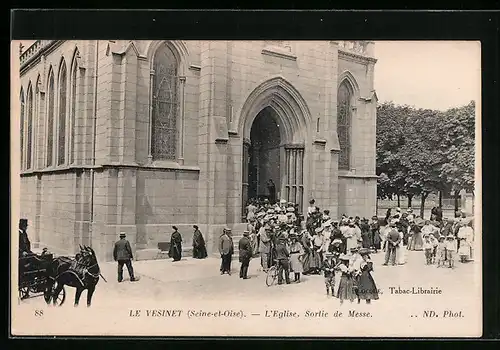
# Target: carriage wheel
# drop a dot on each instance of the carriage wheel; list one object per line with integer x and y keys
{"x": 24, "y": 293}
{"x": 60, "y": 297}
{"x": 272, "y": 274}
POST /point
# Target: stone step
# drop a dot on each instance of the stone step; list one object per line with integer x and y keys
{"x": 154, "y": 254}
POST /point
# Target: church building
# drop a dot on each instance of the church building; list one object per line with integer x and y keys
{"x": 137, "y": 136}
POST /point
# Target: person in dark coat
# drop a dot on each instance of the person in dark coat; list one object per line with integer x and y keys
{"x": 199, "y": 247}
{"x": 271, "y": 188}
{"x": 123, "y": 255}
{"x": 366, "y": 235}
{"x": 403, "y": 225}
{"x": 245, "y": 249}
{"x": 336, "y": 235}
{"x": 176, "y": 245}
{"x": 367, "y": 289}
{"x": 226, "y": 250}
{"x": 375, "y": 232}
{"x": 392, "y": 241}
{"x": 439, "y": 214}
{"x": 282, "y": 255}
{"x": 24, "y": 242}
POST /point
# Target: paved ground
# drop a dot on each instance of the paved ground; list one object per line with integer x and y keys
{"x": 164, "y": 280}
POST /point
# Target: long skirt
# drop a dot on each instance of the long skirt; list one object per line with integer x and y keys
{"x": 465, "y": 249}
{"x": 366, "y": 287}
{"x": 416, "y": 242}
{"x": 346, "y": 288}
{"x": 311, "y": 261}
{"x": 376, "y": 240}
{"x": 176, "y": 251}
{"x": 295, "y": 264}
{"x": 400, "y": 255}
{"x": 351, "y": 242}
{"x": 254, "y": 243}
{"x": 367, "y": 241}
{"x": 200, "y": 252}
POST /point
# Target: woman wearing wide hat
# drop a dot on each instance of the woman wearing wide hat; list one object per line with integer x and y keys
{"x": 346, "y": 285}
{"x": 367, "y": 289}
{"x": 296, "y": 255}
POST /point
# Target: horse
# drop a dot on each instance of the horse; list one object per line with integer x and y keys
{"x": 81, "y": 273}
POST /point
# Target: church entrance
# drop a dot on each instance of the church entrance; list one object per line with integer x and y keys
{"x": 272, "y": 168}
{"x": 264, "y": 157}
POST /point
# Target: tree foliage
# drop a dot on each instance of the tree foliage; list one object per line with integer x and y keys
{"x": 420, "y": 151}
{"x": 457, "y": 145}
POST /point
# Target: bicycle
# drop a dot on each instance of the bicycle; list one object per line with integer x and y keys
{"x": 272, "y": 274}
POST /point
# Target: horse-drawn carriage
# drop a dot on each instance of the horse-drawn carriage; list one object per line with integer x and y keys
{"x": 45, "y": 275}
{"x": 35, "y": 278}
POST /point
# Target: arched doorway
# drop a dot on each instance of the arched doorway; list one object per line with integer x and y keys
{"x": 264, "y": 157}
{"x": 275, "y": 123}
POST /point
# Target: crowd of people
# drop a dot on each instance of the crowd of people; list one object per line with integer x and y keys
{"x": 440, "y": 239}
{"x": 315, "y": 244}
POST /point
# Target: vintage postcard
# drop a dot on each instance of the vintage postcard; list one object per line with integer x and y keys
{"x": 246, "y": 188}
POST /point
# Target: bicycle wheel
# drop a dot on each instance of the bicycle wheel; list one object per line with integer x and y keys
{"x": 272, "y": 274}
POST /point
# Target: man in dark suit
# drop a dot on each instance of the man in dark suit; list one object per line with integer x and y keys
{"x": 282, "y": 255}
{"x": 245, "y": 248}
{"x": 393, "y": 239}
{"x": 123, "y": 255}
{"x": 24, "y": 242}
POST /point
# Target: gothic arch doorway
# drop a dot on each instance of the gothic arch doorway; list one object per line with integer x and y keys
{"x": 272, "y": 168}
{"x": 275, "y": 123}
{"x": 264, "y": 156}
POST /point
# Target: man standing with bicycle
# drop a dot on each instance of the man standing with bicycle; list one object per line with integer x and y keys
{"x": 282, "y": 256}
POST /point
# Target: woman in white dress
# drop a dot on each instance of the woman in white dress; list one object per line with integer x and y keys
{"x": 400, "y": 251}
{"x": 350, "y": 236}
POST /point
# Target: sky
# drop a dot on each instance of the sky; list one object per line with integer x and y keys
{"x": 425, "y": 74}
{"x": 428, "y": 74}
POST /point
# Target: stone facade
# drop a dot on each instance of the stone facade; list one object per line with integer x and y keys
{"x": 109, "y": 181}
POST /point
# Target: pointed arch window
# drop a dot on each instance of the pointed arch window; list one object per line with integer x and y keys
{"x": 73, "y": 113}
{"x": 50, "y": 121}
{"x": 36, "y": 122}
{"x": 29, "y": 136}
{"x": 165, "y": 104}
{"x": 21, "y": 98}
{"x": 344, "y": 116}
{"x": 61, "y": 135}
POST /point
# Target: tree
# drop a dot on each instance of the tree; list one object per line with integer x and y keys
{"x": 420, "y": 151}
{"x": 391, "y": 120}
{"x": 457, "y": 144}
{"x": 419, "y": 156}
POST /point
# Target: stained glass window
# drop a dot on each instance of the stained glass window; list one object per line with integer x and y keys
{"x": 22, "y": 127}
{"x": 50, "y": 121}
{"x": 61, "y": 154}
{"x": 73, "y": 114}
{"x": 344, "y": 125}
{"x": 30, "y": 128}
{"x": 165, "y": 104}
